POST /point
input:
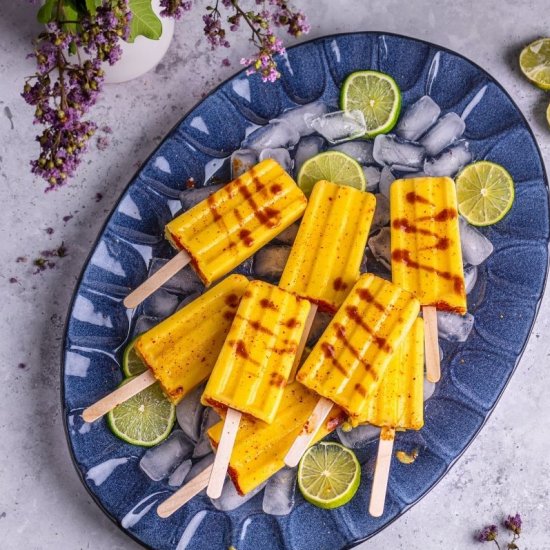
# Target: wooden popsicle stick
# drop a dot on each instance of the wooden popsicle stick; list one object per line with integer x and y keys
{"x": 155, "y": 281}
{"x": 381, "y": 472}
{"x": 303, "y": 341}
{"x": 223, "y": 453}
{"x": 184, "y": 494}
{"x": 311, "y": 427}
{"x": 431, "y": 344}
{"x": 121, "y": 394}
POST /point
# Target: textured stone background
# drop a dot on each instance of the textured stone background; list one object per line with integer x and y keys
{"x": 42, "y": 504}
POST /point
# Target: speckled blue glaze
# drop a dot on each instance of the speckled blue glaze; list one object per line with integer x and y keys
{"x": 504, "y": 301}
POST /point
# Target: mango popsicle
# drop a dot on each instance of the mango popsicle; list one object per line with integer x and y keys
{"x": 219, "y": 233}
{"x": 181, "y": 351}
{"x": 426, "y": 256}
{"x": 259, "y": 447}
{"x": 326, "y": 256}
{"x": 254, "y": 364}
{"x": 397, "y": 405}
{"x": 256, "y": 359}
{"x": 350, "y": 359}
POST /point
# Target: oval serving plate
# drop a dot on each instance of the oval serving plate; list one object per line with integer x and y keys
{"x": 504, "y": 301}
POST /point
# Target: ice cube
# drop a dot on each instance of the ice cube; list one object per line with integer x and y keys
{"x": 446, "y": 131}
{"x": 278, "y": 133}
{"x": 177, "y": 477}
{"x": 192, "y": 197}
{"x": 418, "y": 118}
{"x": 320, "y": 323}
{"x": 200, "y": 466}
{"x": 288, "y": 235}
{"x": 270, "y": 261}
{"x": 299, "y": 116}
{"x": 279, "y": 492}
{"x": 372, "y": 175}
{"x": 188, "y": 299}
{"x": 386, "y": 179}
{"x": 242, "y": 160}
{"x": 189, "y": 413}
{"x": 185, "y": 281}
{"x": 361, "y": 151}
{"x": 231, "y": 500}
{"x": 470, "y": 278}
{"x": 340, "y": 125}
{"x": 412, "y": 175}
{"x": 379, "y": 245}
{"x": 449, "y": 162}
{"x": 306, "y": 149}
{"x": 369, "y": 264}
{"x": 160, "y": 304}
{"x": 429, "y": 388}
{"x": 402, "y": 155}
{"x": 282, "y": 156}
{"x": 454, "y": 327}
{"x": 143, "y": 324}
{"x": 381, "y": 213}
{"x": 203, "y": 447}
{"x": 476, "y": 247}
{"x": 358, "y": 437}
{"x": 160, "y": 461}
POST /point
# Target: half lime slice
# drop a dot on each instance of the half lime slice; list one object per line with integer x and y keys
{"x": 485, "y": 193}
{"x": 377, "y": 95}
{"x": 131, "y": 361}
{"x": 329, "y": 475}
{"x": 145, "y": 419}
{"x": 534, "y": 61}
{"x": 333, "y": 166}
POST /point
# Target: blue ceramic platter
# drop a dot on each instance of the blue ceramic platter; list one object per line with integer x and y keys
{"x": 504, "y": 301}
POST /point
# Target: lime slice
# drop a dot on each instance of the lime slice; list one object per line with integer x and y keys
{"x": 333, "y": 166}
{"x": 485, "y": 193}
{"x": 534, "y": 61}
{"x": 145, "y": 419}
{"x": 329, "y": 475}
{"x": 377, "y": 95}
{"x": 131, "y": 361}
{"x": 548, "y": 114}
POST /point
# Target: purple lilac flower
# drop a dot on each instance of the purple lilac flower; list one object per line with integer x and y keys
{"x": 488, "y": 534}
{"x": 513, "y": 523}
{"x": 174, "y": 8}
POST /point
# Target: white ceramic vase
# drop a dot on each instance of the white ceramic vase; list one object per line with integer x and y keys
{"x": 142, "y": 55}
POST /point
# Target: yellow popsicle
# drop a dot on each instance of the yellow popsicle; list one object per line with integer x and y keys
{"x": 257, "y": 357}
{"x": 237, "y": 220}
{"x": 325, "y": 258}
{"x": 398, "y": 402}
{"x": 425, "y": 242}
{"x": 350, "y": 359}
{"x": 260, "y": 448}
{"x": 181, "y": 351}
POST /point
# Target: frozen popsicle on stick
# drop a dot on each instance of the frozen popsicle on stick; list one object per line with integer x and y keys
{"x": 350, "y": 359}
{"x": 397, "y": 405}
{"x": 254, "y": 364}
{"x": 218, "y": 234}
{"x": 426, "y": 256}
{"x": 326, "y": 256}
{"x": 181, "y": 351}
{"x": 260, "y": 448}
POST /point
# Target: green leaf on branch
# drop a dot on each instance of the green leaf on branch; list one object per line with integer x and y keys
{"x": 69, "y": 12}
{"x": 47, "y": 12}
{"x": 92, "y": 5}
{"x": 144, "y": 21}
